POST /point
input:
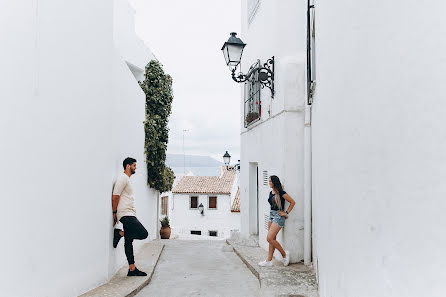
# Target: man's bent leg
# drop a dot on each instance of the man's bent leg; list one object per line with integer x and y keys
{"x": 139, "y": 231}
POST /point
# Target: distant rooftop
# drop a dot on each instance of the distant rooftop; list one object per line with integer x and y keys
{"x": 236, "y": 204}
{"x": 207, "y": 184}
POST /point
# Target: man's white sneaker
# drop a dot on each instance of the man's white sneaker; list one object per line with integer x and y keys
{"x": 266, "y": 263}
{"x": 286, "y": 260}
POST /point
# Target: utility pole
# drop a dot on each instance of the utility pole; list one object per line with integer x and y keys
{"x": 184, "y": 154}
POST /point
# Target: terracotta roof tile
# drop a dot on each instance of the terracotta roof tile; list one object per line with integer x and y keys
{"x": 206, "y": 184}
{"x": 236, "y": 204}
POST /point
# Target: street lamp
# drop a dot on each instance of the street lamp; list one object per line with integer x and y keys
{"x": 226, "y": 159}
{"x": 201, "y": 208}
{"x": 233, "y": 51}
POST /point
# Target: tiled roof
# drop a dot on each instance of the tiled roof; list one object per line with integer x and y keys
{"x": 236, "y": 204}
{"x": 206, "y": 184}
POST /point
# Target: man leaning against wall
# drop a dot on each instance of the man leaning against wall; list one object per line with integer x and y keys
{"x": 123, "y": 205}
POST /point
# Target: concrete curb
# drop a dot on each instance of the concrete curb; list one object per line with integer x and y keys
{"x": 250, "y": 267}
{"x": 293, "y": 280}
{"x": 122, "y": 286}
{"x": 146, "y": 282}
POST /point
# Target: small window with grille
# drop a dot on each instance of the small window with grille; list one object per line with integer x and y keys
{"x": 253, "y": 104}
{"x": 164, "y": 201}
{"x": 265, "y": 178}
{"x": 213, "y": 233}
{"x": 266, "y": 220}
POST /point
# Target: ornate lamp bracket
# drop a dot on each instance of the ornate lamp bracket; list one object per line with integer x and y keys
{"x": 265, "y": 74}
{"x": 239, "y": 78}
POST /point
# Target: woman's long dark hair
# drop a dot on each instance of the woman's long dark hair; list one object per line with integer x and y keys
{"x": 277, "y": 188}
{"x": 276, "y": 183}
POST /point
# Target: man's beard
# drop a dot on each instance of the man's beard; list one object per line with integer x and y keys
{"x": 132, "y": 171}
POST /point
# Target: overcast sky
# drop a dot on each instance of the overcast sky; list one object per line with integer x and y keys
{"x": 186, "y": 37}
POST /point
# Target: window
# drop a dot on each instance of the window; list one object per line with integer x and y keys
{"x": 195, "y": 232}
{"x": 213, "y": 233}
{"x": 212, "y": 202}
{"x": 265, "y": 178}
{"x": 193, "y": 202}
{"x": 164, "y": 200}
{"x": 266, "y": 220}
{"x": 253, "y": 108}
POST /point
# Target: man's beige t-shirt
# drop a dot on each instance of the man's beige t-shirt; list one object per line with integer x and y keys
{"x": 123, "y": 188}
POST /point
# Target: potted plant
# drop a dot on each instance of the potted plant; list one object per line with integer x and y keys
{"x": 165, "y": 228}
{"x": 251, "y": 116}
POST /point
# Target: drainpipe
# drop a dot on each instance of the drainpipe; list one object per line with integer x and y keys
{"x": 307, "y": 186}
{"x": 157, "y": 214}
{"x": 308, "y": 146}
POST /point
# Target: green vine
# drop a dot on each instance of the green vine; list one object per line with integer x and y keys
{"x": 158, "y": 89}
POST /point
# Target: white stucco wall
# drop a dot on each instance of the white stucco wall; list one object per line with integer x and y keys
{"x": 275, "y": 144}
{"x": 183, "y": 219}
{"x": 71, "y": 111}
{"x": 235, "y": 187}
{"x": 170, "y": 201}
{"x": 379, "y": 149}
{"x": 129, "y": 46}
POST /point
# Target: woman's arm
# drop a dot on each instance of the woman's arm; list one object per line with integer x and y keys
{"x": 290, "y": 208}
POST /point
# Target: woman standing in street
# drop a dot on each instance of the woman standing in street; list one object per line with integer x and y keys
{"x": 277, "y": 218}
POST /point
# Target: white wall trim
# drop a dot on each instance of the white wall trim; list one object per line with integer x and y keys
{"x": 299, "y": 110}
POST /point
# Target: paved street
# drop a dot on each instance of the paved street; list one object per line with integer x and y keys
{"x": 200, "y": 268}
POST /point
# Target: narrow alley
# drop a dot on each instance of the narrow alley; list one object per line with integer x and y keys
{"x": 200, "y": 268}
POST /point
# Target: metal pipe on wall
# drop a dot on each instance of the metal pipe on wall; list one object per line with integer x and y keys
{"x": 308, "y": 145}
{"x": 157, "y": 215}
{"x": 307, "y": 186}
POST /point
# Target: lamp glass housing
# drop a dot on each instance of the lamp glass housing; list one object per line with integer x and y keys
{"x": 233, "y": 51}
{"x": 227, "y": 158}
{"x": 233, "y": 55}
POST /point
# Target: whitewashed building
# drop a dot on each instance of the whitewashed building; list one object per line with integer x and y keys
{"x": 206, "y": 205}
{"x": 363, "y": 152}
{"x": 379, "y": 148}
{"x": 166, "y": 198}
{"x": 272, "y": 142}
{"x": 72, "y": 110}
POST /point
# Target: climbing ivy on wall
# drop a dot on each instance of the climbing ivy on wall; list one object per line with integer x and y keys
{"x": 157, "y": 86}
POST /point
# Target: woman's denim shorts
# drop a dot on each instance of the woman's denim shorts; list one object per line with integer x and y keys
{"x": 275, "y": 218}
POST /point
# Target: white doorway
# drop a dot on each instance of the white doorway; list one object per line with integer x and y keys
{"x": 253, "y": 198}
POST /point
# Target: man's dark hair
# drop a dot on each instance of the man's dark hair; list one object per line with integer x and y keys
{"x": 128, "y": 161}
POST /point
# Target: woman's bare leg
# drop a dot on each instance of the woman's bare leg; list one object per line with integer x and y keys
{"x": 271, "y": 247}
{"x": 271, "y": 238}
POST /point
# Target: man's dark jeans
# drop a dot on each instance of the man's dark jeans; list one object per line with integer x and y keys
{"x": 133, "y": 229}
